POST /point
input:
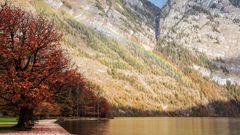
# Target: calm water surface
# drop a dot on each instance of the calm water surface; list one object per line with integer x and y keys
{"x": 156, "y": 126}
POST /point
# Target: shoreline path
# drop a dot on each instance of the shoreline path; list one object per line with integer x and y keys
{"x": 42, "y": 127}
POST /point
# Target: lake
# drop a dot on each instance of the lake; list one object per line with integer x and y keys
{"x": 156, "y": 126}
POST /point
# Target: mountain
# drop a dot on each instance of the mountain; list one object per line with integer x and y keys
{"x": 208, "y": 26}
{"x": 113, "y": 44}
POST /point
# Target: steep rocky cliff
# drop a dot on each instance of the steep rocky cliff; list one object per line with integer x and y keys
{"x": 208, "y": 26}
{"x": 113, "y": 44}
{"x": 129, "y": 19}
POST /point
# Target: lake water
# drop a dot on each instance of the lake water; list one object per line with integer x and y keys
{"x": 156, "y": 126}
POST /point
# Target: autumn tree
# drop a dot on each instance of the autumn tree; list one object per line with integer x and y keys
{"x": 104, "y": 107}
{"x": 47, "y": 110}
{"x": 68, "y": 91}
{"x": 30, "y": 58}
{"x": 74, "y": 95}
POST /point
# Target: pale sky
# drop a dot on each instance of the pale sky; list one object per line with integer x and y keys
{"x": 159, "y": 3}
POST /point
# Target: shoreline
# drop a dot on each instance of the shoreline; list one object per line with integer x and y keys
{"x": 42, "y": 127}
{"x": 59, "y": 120}
{"x": 83, "y": 119}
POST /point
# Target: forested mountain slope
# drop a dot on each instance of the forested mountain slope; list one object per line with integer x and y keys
{"x": 112, "y": 43}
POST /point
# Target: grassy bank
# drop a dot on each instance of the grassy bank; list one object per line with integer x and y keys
{"x": 6, "y": 124}
{"x": 8, "y": 119}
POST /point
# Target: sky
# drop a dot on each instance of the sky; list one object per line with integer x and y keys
{"x": 159, "y": 3}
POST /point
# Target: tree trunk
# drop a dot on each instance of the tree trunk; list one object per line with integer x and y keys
{"x": 25, "y": 120}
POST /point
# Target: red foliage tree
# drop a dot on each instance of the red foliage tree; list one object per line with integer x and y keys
{"x": 104, "y": 107}
{"x": 30, "y": 58}
{"x": 68, "y": 90}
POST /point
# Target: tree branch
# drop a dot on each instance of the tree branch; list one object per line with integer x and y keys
{"x": 8, "y": 100}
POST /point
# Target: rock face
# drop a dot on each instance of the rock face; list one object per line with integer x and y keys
{"x": 157, "y": 26}
{"x": 54, "y": 3}
{"x": 235, "y": 3}
{"x": 150, "y": 11}
{"x": 208, "y": 26}
{"x": 133, "y": 19}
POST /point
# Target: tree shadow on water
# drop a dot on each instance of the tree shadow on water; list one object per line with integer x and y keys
{"x": 230, "y": 108}
{"x": 84, "y": 127}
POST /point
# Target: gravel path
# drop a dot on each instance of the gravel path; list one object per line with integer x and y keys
{"x": 43, "y": 127}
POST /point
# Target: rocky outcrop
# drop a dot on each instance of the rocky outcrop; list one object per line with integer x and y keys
{"x": 54, "y": 3}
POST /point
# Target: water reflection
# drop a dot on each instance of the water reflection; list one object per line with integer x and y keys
{"x": 87, "y": 127}
{"x": 156, "y": 126}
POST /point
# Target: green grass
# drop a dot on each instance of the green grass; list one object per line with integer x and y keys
{"x": 8, "y": 119}
{"x": 6, "y": 127}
